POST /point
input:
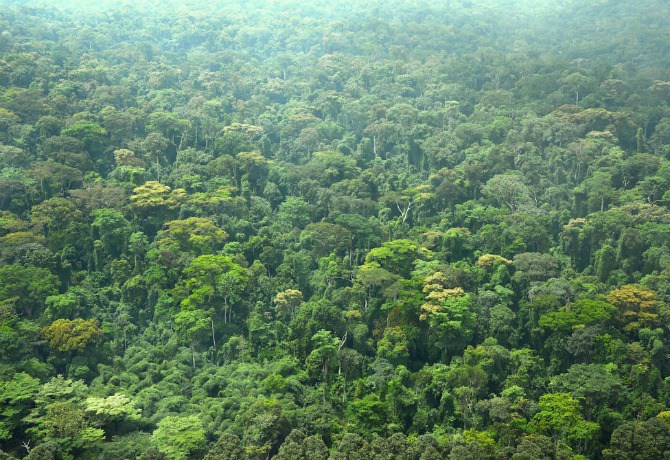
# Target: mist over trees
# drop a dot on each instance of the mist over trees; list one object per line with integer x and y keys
{"x": 334, "y": 230}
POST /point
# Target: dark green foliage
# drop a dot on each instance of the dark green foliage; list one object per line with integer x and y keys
{"x": 46, "y": 451}
{"x": 541, "y": 448}
{"x": 334, "y": 230}
{"x": 152, "y": 454}
{"x": 227, "y": 447}
{"x": 640, "y": 440}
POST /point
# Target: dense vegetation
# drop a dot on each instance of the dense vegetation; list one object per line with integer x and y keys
{"x": 313, "y": 230}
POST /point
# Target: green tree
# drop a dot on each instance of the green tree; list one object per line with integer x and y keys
{"x": 112, "y": 410}
{"x": 91, "y": 134}
{"x": 195, "y": 234}
{"x": 265, "y": 427}
{"x": 180, "y": 436}
{"x": 47, "y": 451}
{"x": 508, "y": 190}
{"x": 16, "y": 396}
{"x": 324, "y": 350}
{"x": 541, "y": 448}
{"x": 367, "y": 416}
{"x": 397, "y": 256}
{"x": 112, "y": 229}
{"x": 155, "y": 202}
{"x": 59, "y": 220}
{"x": 559, "y": 416}
{"x": 637, "y": 307}
{"x": 227, "y": 447}
{"x": 72, "y": 335}
{"x": 583, "y": 312}
{"x": 287, "y": 302}
{"x": 292, "y": 213}
{"x": 449, "y": 314}
{"x": 193, "y": 326}
{"x": 639, "y": 440}
{"x": 27, "y": 286}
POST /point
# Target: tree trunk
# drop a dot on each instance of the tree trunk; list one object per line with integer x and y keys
{"x": 325, "y": 380}
{"x": 213, "y": 337}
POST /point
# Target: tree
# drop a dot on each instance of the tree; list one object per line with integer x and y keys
{"x": 97, "y": 196}
{"x": 91, "y": 134}
{"x": 172, "y": 128}
{"x": 488, "y": 261}
{"x": 59, "y": 220}
{"x": 323, "y": 352}
{"x": 576, "y": 83}
{"x": 287, "y": 302}
{"x": 47, "y": 451}
{"x": 532, "y": 267}
{"x": 509, "y": 190}
{"x": 137, "y": 245}
{"x": 374, "y": 280}
{"x": 559, "y": 417}
{"x": 152, "y": 454}
{"x": 57, "y": 416}
{"x": 397, "y": 256}
{"x": 255, "y": 168}
{"x": 364, "y": 233}
{"x": 598, "y": 188}
{"x": 265, "y": 427}
{"x": 193, "y": 326}
{"x": 583, "y": 312}
{"x": 13, "y": 157}
{"x": 112, "y": 229}
{"x": 211, "y": 281}
{"x": 660, "y": 139}
{"x": 113, "y": 409}
{"x": 180, "y": 436}
{"x": 195, "y": 234}
{"x": 325, "y": 238}
{"x": 227, "y": 447}
{"x": 409, "y": 199}
{"x": 539, "y": 447}
{"x": 449, "y": 313}
{"x": 16, "y": 396}
{"x": 72, "y": 335}
{"x": 596, "y": 384}
{"x": 639, "y": 440}
{"x": 350, "y": 447}
{"x": 125, "y": 157}
{"x": 300, "y": 447}
{"x": 637, "y": 307}
{"x": 27, "y": 286}
{"x": 606, "y": 262}
{"x": 631, "y": 247}
{"x": 155, "y": 201}
{"x": 367, "y": 416}
{"x": 292, "y": 213}
{"x": 54, "y": 178}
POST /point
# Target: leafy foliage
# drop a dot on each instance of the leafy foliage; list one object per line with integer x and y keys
{"x": 354, "y": 230}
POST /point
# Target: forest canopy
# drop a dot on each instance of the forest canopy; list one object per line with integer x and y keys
{"x": 334, "y": 230}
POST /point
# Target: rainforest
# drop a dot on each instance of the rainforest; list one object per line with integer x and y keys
{"x": 321, "y": 230}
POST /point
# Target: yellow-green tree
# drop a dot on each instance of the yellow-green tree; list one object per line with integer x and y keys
{"x": 72, "y": 335}
{"x": 637, "y": 307}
